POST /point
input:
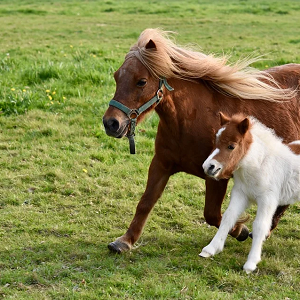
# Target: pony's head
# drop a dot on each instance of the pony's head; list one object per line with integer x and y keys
{"x": 232, "y": 143}
{"x": 136, "y": 84}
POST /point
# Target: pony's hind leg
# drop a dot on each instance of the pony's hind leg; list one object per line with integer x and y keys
{"x": 277, "y": 216}
{"x": 158, "y": 177}
{"x": 261, "y": 229}
{"x": 238, "y": 204}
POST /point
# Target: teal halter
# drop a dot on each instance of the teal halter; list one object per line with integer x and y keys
{"x": 133, "y": 114}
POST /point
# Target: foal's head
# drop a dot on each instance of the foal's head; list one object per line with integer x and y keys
{"x": 232, "y": 143}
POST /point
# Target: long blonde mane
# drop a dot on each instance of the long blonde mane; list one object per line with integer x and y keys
{"x": 239, "y": 80}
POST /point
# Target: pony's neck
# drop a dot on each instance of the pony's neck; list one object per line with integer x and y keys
{"x": 184, "y": 104}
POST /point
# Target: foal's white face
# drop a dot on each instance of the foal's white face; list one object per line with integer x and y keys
{"x": 232, "y": 142}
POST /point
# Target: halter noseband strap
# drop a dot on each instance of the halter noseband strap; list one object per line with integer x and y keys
{"x": 133, "y": 114}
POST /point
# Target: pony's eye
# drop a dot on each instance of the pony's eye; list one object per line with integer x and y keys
{"x": 141, "y": 82}
{"x": 231, "y": 147}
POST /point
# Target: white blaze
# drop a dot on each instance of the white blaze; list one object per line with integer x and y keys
{"x": 213, "y": 154}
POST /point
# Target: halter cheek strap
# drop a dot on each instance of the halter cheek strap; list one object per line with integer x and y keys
{"x": 133, "y": 114}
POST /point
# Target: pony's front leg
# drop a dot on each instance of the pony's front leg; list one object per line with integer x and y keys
{"x": 158, "y": 177}
{"x": 238, "y": 204}
{"x": 261, "y": 230}
{"x": 214, "y": 195}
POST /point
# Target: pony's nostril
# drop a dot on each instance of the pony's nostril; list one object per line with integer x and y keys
{"x": 113, "y": 125}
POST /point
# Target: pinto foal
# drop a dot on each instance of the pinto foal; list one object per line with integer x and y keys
{"x": 265, "y": 171}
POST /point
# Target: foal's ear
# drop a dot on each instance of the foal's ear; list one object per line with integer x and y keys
{"x": 244, "y": 126}
{"x": 150, "y": 45}
{"x": 223, "y": 119}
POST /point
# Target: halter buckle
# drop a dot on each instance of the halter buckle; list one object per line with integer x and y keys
{"x": 133, "y": 112}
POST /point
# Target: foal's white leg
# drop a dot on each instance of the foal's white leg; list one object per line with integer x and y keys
{"x": 238, "y": 204}
{"x": 261, "y": 227}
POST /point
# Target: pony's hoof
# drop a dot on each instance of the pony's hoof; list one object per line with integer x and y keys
{"x": 243, "y": 235}
{"x": 118, "y": 247}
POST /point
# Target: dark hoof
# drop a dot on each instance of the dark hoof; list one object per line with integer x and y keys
{"x": 243, "y": 235}
{"x": 118, "y": 247}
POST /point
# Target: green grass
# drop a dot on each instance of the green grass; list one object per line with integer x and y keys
{"x": 67, "y": 189}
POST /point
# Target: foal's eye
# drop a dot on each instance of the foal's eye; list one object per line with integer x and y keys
{"x": 231, "y": 147}
{"x": 141, "y": 83}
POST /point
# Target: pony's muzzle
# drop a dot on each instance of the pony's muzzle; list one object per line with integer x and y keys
{"x": 115, "y": 128}
{"x": 111, "y": 124}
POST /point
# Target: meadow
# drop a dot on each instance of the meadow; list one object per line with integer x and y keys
{"x": 67, "y": 189}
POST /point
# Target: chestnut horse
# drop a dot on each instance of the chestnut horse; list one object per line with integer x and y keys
{"x": 265, "y": 171}
{"x": 187, "y": 89}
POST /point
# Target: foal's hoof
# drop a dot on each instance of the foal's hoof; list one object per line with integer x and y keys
{"x": 243, "y": 234}
{"x": 205, "y": 254}
{"x": 118, "y": 247}
{"x": 249, "y": 267}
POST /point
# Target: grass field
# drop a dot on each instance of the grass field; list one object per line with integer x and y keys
{"x": 67, "y": 189}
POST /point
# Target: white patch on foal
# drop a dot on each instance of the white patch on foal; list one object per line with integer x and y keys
{"x": 212, "y": 155}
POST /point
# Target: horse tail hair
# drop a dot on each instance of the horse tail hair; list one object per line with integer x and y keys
{"x": 243, "y": 219}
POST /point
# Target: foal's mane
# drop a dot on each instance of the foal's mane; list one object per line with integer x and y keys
{"x": 238, "y": 80}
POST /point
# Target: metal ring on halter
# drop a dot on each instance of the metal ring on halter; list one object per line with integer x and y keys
{"x": 159, "y": 97}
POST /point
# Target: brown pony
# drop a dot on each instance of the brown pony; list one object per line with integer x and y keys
{"x": 188, "y": 89}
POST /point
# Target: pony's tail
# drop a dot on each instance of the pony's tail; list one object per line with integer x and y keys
{"x": 243, "y": 219}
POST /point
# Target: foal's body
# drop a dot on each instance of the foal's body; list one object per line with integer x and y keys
{"x": 268, "y": 174}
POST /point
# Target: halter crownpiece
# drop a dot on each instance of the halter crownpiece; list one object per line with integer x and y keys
{"x": 133, "y": 114}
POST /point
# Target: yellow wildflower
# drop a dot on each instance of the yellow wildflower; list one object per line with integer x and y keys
{"x": 51, "y": 102}
{"x": 64, "y": 98}
{"x": 84, "y": 170}
{"x": 50, "y": 98}
{"x": 53, "y": 93}
{"x": 13, "y": 89}
{"x": 47, "y": 91}
{"x": 71, "y": 46}
{"x": 24, "y": 90}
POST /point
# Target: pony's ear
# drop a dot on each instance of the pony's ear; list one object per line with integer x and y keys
{"x": 223, "y": 119}
{"x": 244, "y": 126}
{"x": 150, "y": 45}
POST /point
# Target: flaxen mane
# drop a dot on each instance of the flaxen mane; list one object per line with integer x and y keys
{"x": 238, "y": 80}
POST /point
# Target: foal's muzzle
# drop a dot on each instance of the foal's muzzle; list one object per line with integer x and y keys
{"x": 212, "y": 168}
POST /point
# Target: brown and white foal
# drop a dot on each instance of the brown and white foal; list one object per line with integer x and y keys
{"x": 265, "y": 171}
